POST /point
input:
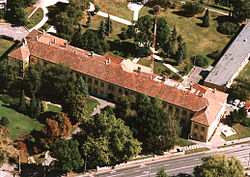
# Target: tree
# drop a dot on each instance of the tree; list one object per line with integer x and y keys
{"x": 240, "y": 89}
{"x": 162, "y": 33}
{"x": 161, "y": 172}
{"x": 76, "y": 108}
{"x": 17, "y": 16}
{"x": 170, "y": 45}
{"x": 236, "y": 116}
{"x": 6, "y": 145}
{"x": 219, "y": 165}
{"x": 106, "y": 140}
{"x": 88, "y": 23}
{"x": 67, "y": 154}
{"x": 92, "y": 42}
{"x": 193, "y": 8}
{"x": 22, "y": 103}
{"x": 149, "y": 123}
{"x": 180, "y": 54}
{"x": 108, "y": 26}
{"x": 200, "y": 60}
{"x": 58, "y": 126}
{"x": 32, "y": 80}
{"x": 81, "y": 87}
{"x": 101, "y": 30}
{"x": 33, "y": 106}
{"x": 241, "y": 9}
{"x": 4, "y": 121}
{"x": 205, "y": 19}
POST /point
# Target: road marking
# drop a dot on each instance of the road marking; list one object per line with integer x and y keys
{"x": 142, "y": 165}
{"x": 146, "y": 174}
{"x": 183, "y": 167}
{"x": 118, "y": 174}
{"x": 113, "y": 171}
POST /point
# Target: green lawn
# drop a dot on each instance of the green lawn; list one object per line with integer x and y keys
{"x": 29, "y": 10}
{"x": 184, "y": 142}
{"x": 196, "y": 150}
{"x": 19, "y": 123}
{"x": 115, "y": 7}
{"x": 92, "y": 104}
{"x": 233, "y": 144}
{"x": 246, "y": 71}
{"x": 35, "y": 18}
{"x": 242, "y": 132}
{"x": 199, "y": 40}
{"x": 5, "y": 45}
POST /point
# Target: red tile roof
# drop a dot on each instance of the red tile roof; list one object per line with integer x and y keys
{"x": 96, "y": 66}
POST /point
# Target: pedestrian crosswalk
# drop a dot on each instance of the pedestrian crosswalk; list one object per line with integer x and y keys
{"x": 3, "y": 174}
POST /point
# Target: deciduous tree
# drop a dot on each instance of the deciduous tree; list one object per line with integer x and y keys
{"x": 219, "y": 165}
{"x": 161, "y": 172}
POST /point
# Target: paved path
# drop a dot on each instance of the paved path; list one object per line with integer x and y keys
{"x": 136, "y": 7}
{"x": 112, "y": 17}
{"x": 17, "y": 33}
{"x": 217, "y": 11}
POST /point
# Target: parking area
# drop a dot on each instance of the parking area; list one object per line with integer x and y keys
{"x": 197, "y": 75}
{"x": 17, "y": 33}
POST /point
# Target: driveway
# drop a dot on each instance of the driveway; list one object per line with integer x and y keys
{"x": 17, "y": 33}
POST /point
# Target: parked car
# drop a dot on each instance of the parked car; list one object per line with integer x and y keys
{"x": 236, "y": 102}
{"x": 230, "y": 101}
{"x": 247, "y": 106}
{"x": 242, "y": 104}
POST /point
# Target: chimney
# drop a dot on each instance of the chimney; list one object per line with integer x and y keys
{"x": 191, "y": 86}
{"x": 139, "y": 69}
{"x": 65, "y": 44}
{"x": 164, "y": 77}
{"x": 49, "y": 42}
{"x": 75, "y": 52}
{"x": 44, "y": 32}
{"x": 92, "y": 53}
{"x": 55, "y": 41}
{"x": 109, "y": 60}
{"x": 24, "y": 40}
{"x": 202, "y": 95}
{"x": 214, "y": 90}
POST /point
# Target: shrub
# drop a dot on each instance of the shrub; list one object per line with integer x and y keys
{"x": 215, "y": 54}
{"x": 227, "y": 28}
{"x": 193, "y": 8}
{"x": 187, "y": 68}
{"x": 200, "y": 60}
{"x": 44, "y": 106}
{"x": 97, "y": 8}
{"x": 246, "y": 122}
{"x": 1, "y": 14}
{"x": 4, "y": 121}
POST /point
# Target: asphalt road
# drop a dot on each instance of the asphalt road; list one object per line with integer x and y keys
{"x": 174, "y": 166}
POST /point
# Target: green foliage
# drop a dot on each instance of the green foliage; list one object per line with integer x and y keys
{"x": 4, "y": 121}
{"x": 88, "y": 23}
{"x": 199, "y": 60}
{"x": 169, "y": 47}
{"x": 75, "y": 106}
{"x": 35, "y": 107}
{"x": 219, "y": 165}
{"x": 193, "y": 8}
{"x": 149, "y": 123}
{"x": 106, "y": 141}
{"x": 92, "y": 42}
{"x": 246, "y": 122}
{"x": 32, "y": 80}
{"x": 108, "y": 26}
{"x": 101, "y": 30}
{"x": 66, "y": 17}
{"x": 67, "y": 154}
{"x": 241, "y": 9}
{"x": 227, "y": 28}
{"x": 240, "y": 89}
{"x": 215, "y": 54}
{"x": 81, "y": 87}
{"x": 18, "y": 16}
{"x": 181, "y": 52}
{"x": 187, "y": 68}
{"x": 161, "y": 172}
{"x": 205, "y": 22}
{"x": 2, "y": 14}
{"x": 22, "y": 103}
{"x": 162, "y": 33}
{"x": 236, "y": 116}
{"x": 97, "y": 8}
{"x": 44, "y": 106}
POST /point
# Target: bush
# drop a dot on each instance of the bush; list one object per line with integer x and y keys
{"x": 44, "y": 106}
{"x": 215, "y": 54}
{"x": 199, "y": 60}
{"x": 227, "y": 28}
{"x": 187, "y": 68}
{"x": 193, "y": 8}
{"x": 1, "y": 14}
{"x": 246, "y": 122}
{"x": 97, "y": 8}
{"x": 4, "y": 121}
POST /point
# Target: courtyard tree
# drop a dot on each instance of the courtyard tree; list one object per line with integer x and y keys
{"x": 106, "y": 141}
{"x": 205, "y": 19}
{"x": 108, "y": 26}
{"x": 241, "y": 10}
{"x": 193, "y": 8}
{"x": 22, "y": 103}
{"x": 32, "y": 80}
{"x": 240, "y": 89}
{"x": 81, "y": 87}
{"x": 219, "y": 165}
{"x": 67, "y": 155}
{"x": 149, "y": 123}
{"x": 101, "y": 30}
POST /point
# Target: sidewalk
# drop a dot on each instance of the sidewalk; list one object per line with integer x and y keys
{"x": 112, "y": 17}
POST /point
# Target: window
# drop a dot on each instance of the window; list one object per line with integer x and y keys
{"x": 170, "y": 108}
{"x": 196, "y": 126}
{"x": 90, "y": 80}
{"x": 126, "y": 92}
{"x": 195, "y": 135}
{"x": 84, "y": 78}
{"x": 102, "y": 84}
{"x": 101, "y": 92}
{"x": 96, "y": 82}
{"x": 120, "y": 90}
{"x": 201, "y": 137}
{"x": 177, "y": 111}
{"x": 184, "y": 112}
{"x": 203, "y": 129}
{"x": 111, "y": 87}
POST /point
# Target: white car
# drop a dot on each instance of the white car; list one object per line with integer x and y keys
{"x": 242, "y": 104}
{"x": 236, "y": 102}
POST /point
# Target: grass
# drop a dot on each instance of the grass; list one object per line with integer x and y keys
{"x": 54, "y": 108}
{"x": 242, "y": 132}
{"x": 196, "y": 150}
{"x": 35, "y": 18}
{"x": 199, "y": 40}
{"x": 233, "y": 144}
{"x": 45, "y": 27}
{"x": 5, "y": 45}
{"x": 19, "y": 123}
{"x": 115, "y": 7}
{"x": 183, "y": 142}
{"x": 246, "y": 71}
{"x": 29, "y": 10}
{"x": 92, "y": 104}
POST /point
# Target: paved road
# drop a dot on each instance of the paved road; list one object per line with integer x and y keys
{"x": 174, "y": 166}
{"x": 17, "y": 33}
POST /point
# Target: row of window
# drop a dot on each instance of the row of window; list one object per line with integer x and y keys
{"x": 196, "y": 127}
{"x": 201, "y": 137}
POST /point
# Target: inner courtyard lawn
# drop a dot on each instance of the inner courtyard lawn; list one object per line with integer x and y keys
{"x": 5, "y": 45}
{"x": 115, "y": 7}
{"x": 35, "y": 18}
{"x": 242, "y": 132}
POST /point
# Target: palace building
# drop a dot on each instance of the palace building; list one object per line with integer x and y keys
{"x": 109, "y": 77}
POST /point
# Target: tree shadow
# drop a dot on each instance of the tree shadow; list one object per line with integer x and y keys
{"x": 124, "y": 49}
{"x": 182, "y": 13}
